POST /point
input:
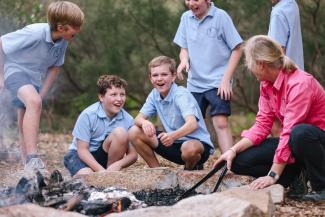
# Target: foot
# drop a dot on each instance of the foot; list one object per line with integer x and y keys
{"x": 315, "y": 196}
{"x": 196, "y": 167}
{"x": 34, "y": 164}
{"x": 298, "y": 187}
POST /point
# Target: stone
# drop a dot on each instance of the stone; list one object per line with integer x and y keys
{"x": 186, "y": 179}
{"x": 134, "y": 180}
{"x": 31, "y": 210}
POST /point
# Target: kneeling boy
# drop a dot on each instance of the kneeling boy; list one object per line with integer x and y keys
{"x": 101, "y": 132}
{"x": 185, "y": 140}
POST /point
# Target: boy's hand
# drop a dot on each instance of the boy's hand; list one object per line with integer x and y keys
{"x": 148, "y": 128}
{"x": 225, "y": 90}
{"x": 166, "y": 139}
{"x": 183, "y": 65}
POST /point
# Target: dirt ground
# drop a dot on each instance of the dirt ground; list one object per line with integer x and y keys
{"x": 53, "y": 146}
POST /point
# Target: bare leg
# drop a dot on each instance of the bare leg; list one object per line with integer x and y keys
{"x": 221, "y": 126}
{"x": 84, "y": 171}
{"x": 20, "y": 117}
{"x": 191, "y": 152}
{"x": 116, "y": 145}
{"x": 144, "y": 145}
{"x": 31, "y": 118}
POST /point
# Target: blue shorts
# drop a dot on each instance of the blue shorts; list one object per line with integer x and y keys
{"x": 73, "y": 163}
{"x": 173, "y": 153}
{"x": 16, "y": 81}
{"x": 218, "y": 106}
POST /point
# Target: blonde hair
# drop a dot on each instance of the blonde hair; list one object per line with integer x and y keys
{"x": 160, "y": 60}
{"x": 64, "y": 13}
{"x": 261, "y": 48}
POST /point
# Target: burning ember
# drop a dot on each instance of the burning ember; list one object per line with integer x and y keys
{"x": 75, "y": 195}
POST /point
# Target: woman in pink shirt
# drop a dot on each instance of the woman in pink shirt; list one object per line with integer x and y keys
{"x": 298, "y": 101}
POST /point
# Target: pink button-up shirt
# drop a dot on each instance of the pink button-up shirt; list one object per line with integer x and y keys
{"x": 293, "y": 98}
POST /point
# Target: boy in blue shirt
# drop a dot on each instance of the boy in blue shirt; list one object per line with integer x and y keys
{"x": 285, "y": 28}
{"x": 185, "y": 139}
{"x": 24, "y": 56}
{"x": 210, "y": 52}
{"x": 100, "y": 139}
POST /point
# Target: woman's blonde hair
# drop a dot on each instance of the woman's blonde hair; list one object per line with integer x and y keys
{"x": 261, "y": 48}
{"x": 64, "y": 13}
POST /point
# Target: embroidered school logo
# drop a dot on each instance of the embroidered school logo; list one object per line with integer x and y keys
{"x": 212, "y": 32}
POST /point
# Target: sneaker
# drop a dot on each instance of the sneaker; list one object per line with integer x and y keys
{"x": 298, "y": 187}
{"x": 34, "y": 164}
{"x": 315, "y": 196}
{"x": 196, "y": 167}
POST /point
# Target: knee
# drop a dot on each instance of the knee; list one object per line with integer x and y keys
{"x": 221, "y": 122}
{"x": 134, "y": 132}
{"x": 300, "y": 134}
{"x": 34, "y": 102}
{"x": 190, "y": 151}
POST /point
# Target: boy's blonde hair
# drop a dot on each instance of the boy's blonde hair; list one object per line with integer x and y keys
{"x": 160, "y": 60}
{"x": 64, "y": 13}
{"x": 109, "y": 81}
{"x": 261, "y": 48}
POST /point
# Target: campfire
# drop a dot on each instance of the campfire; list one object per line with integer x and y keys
{"x": 75, "y": 195}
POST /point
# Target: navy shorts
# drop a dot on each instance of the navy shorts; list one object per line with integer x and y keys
{"x": 173, "y": 153}
{"x": 218, "y": 106}
{"x": 73, "y": 163}
{"x": 16, "y": 81}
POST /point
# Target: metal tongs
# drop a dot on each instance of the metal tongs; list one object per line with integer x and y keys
{"x": 206, "y": 177}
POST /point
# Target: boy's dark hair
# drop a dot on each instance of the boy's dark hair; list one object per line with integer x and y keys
{"x": 64, "y": 13}
{"x": 160, "y": 60}
{"x": 109, "y": 81}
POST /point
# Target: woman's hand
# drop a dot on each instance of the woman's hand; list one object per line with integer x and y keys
{"x": 262, "y": 182}
{"x": 228, "y": 156}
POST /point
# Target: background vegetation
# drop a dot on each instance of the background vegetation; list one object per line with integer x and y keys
{"x": 121, "y": 36}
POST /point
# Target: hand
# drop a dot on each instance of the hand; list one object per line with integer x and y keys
{"x": 228, "y": 156}
{"x": 114, "y": 167}
{"x": 262, "y": 182}
{"x": 225, "y": 90}
{"x": 166, "y": 139}
{"x": 183, "y": 65}
{"x": 148, "y": 128}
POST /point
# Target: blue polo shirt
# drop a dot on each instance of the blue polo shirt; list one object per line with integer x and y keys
{"x": 31, "y": 50}
{"x": 209, "y": 41}
{"x": 285, "y": 28}
{"x": 93, "y": 126}
{"x": 173, "y": 109}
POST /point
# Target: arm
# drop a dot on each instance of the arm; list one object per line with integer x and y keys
{"x": 225, "y": 89}
{"x": 148, "y": 128}
{"x": 184, "y": 63}
{"x": 130, "y": 158}
{"x": 52, "y": 74}
{"x": 2, "y": 57}
{"x": 85, "y": 155}
{"x": 189, "y": 126}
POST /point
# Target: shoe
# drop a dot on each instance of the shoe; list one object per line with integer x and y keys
{"x": 34, "y": 164}
{"x": 315, "y": 196}
{"x": 196, "y": 167}
{"x": 298, "y": 187}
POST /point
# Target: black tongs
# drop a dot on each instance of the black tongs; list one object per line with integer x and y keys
{"x": 206, "y": 177}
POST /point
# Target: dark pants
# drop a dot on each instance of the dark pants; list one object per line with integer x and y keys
{"x": 307, "y": 144}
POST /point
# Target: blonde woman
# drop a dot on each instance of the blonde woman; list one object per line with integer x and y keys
{"x": 298, "y": 101}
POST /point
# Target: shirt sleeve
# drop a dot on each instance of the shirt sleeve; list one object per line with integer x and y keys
{"x": 180, "y": 37}
{"x": 187, "y": 105}
{"x": 18, "y": 40}
{"x": 149, "y": 108}
{"x": 297, "y": 107}
{"x": 82, "y": 128}
{"x": 229, "y": 32}
{"x": 279, "y": 29}
{"x": 264, "y": 120}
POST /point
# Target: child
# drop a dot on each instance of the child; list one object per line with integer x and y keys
{"x": 185, "y": 140}
{"x": 100, "y": 135}
{"x": 24, "y": 56}
{"x": 210, "y": 52}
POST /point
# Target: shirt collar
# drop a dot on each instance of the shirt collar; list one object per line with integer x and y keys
{"x": 279, "y": 80}
{"x": 169, "y": 96}
{"x": 281, "y": 2}
{"x": 48, "y": 37}
{"x": 101, "y": 113}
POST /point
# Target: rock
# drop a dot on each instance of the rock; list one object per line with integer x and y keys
{"x": 134, "y": 180}
{"x": 31, "y": 210}
{"x": 186, "y": 179}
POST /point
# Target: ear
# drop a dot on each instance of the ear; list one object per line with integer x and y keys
{"x": 100, "y": 97}
{"x": 60, "y": 28}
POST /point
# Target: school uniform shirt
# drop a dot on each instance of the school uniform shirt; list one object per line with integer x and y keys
{"x": 209, "y": 41}
{"x": 31, "y": 50}
{"x": 294, "y": 98}
{"x": 173, "y": 109}
{"x": 285, "y": 28}
{"x": 93, "y": 126}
